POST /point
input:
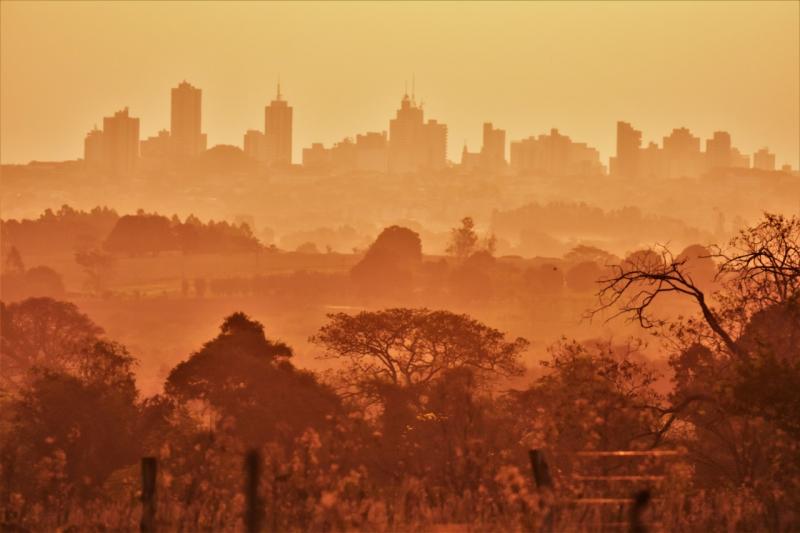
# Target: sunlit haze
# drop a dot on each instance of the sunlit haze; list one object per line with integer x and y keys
{"x": 446, "y": 267}
{"x": 526, "y": 67}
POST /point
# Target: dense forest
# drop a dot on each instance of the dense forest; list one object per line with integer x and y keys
{"x": 425, "y": 417}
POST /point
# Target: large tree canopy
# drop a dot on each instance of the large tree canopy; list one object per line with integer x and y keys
{"x": 249, "y": 380}
{"x": 42, "y": 332}
{"x": 410, "y": 347}
{"x": 72, "y": 410}
{"x": 390, "y": 262}
{"x": 737, "y": 367}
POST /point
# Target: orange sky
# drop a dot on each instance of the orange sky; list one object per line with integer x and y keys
{"x": 526, "y": 67}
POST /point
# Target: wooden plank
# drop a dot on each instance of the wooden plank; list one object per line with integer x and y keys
{"x": 619, "y": 478}
{"x": 629, "y": 453}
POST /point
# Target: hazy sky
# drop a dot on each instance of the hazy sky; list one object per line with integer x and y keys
{"x": 526, "y": 67}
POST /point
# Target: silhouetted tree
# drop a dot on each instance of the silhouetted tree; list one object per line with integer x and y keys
{"x": 411, "y": 347}
{"x": 699, "y": 264}
{"x": 73, "y": 413}
{"x": 593, "y": 395}
{"x": 63, "y": 230}
{"x": 472, "y": 281}
{"x": 736, "y": 367}
{"x": 248, "y": 381}
{"x": 45, "y": 333}
{"x": 141, "y": 234}
{"x": 98, "y": 267}
{"x": 583, "y": 253}
{"x": 17, "y": 283}
{"x": 463, "y": 240}
{"x": 43, "y": 281}
{"x": 390, "y": 263}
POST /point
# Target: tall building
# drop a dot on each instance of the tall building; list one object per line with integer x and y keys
{"x": 719, "y": 153}
{"x": 554, "y": 155}
{"x": 493, "y": 152}
{"x": 255, "y": 145}
{"x": 415, "y": 145}
{"x": 93, "y": 152}
{"x": 372, "y": 152}
{"x": 470, "y": 161}
{"x": 629, "y": 142}
{"x": 120, "y": 142}
{"x": 739, "y": 160}
{"x": 317, "y": 158}
{"x": 651, "y": 162}
{"x": 405, "y": 137}
{"x": 434, "y": 146}
{"x": 185, "y": 121}
{"x": 682, "y": 154}
{"x": 764, "y": 160}
{"x": 157, "y": 147}
{"x": 369, "y": 153}
{"x": 278, "y": 131}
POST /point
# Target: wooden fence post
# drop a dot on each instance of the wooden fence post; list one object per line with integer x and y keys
{"x": 149, "y": 470}
{"x": 640, "y": 501}
{"x": 254, "y": 512}
{"x": 541, "y": 472}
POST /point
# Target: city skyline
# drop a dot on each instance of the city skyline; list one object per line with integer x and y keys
{"x": 556, "y": 65}
{"x": 416, "y": 145}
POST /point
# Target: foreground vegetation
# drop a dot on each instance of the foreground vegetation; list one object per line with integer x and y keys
{"x": 419, "y": 425}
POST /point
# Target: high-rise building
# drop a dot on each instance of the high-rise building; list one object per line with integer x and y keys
{"x": 405, "y": 137}
{"x": 93, "y": 151}
{"x": 372, "y": 152}
{"x": 682, "y": 154}
{"x": 739, "y": 160}
{"x": 651, "y": 162}
{"x": 434, "y": 146}
{"x": 368, "y": 153}
{"x": 120, "y": 142}
{"x": 278, "y": 131}
{"x": 255, "y": 145}
{"x": 493, "y": 152}
{"x": 764, "y": 160}
{"x": 470, "y": 161}
{"x": 157, "y": 147}
{"x": 317, "y": 158}
{"x": 629, "y": 142}
{"x": 185, "y": 121}
{"x": 413, "y": 144}
{"x": 554, "y": 155}
{"x": 719, "y": 153}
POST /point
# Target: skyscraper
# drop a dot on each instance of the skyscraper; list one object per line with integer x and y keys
{"x": 255, "y": 145}
{"x": 120, "y": 142}
{"x": 682, "y": 154}
{"x": 554, "y": 155}
{"x": 405, "y": 136}
{"x": 493, "y": 152}
{"x": 764, "y": 160}
{"x": 185, "y": 121}
{"x": 434, "y": 148}
{"x": 629, "y": 142}
{"x": 93, "y": 153}
{"x": 718, "y": 150}
{"x": 414, "y": 144}
{"x": 278, "y": 131}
